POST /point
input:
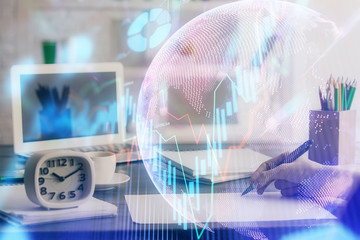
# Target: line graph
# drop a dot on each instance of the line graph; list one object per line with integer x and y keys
{"x": 280, "y": 35}
{"x": 251, "y": 119}
{"x": 213, "y": 145}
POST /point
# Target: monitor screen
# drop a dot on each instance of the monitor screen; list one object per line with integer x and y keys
{"x": 68, "y": 105}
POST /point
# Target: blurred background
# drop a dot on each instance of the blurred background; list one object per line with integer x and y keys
{"x": 124, "y": 31}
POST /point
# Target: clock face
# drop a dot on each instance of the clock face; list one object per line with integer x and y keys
{"x": 63, "y": 179}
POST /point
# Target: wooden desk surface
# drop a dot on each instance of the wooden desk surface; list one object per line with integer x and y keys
{"x": 121, "y": 226}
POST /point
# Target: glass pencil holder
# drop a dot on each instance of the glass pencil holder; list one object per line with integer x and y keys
{"x": 333, "y": 135}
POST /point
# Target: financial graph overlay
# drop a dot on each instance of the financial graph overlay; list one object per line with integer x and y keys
{"x": 223, "y": 82}
{"x": 129, "y": 108}
{"x": 68, "y": 105}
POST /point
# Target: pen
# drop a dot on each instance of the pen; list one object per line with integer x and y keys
{"x": 288, "y": 159}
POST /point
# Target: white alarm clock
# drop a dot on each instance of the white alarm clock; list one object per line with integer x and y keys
{"x": 59, "y": 179}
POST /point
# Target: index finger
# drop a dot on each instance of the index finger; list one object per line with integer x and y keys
{"x": 265, "y": 166}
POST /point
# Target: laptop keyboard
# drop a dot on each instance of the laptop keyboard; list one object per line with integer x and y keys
{"x": 115, "y": 148}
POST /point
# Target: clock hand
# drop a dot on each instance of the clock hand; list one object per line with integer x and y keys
{"x": 60, "y": 178}
{"x": 72, "y": 173}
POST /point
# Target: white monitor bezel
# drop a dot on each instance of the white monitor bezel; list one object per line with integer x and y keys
{"x": 23, "y": 148}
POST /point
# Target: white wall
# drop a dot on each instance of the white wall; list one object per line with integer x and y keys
{"x": 343, "y": 59}
{"x": 23, "y": 24}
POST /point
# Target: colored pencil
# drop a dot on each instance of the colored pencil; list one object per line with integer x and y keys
{"x": 351, "y": 95}
{"x": 336, "y": 96}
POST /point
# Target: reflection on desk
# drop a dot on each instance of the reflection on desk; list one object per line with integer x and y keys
{"x": 252, "y": 210}
{"x": 122, "y": 226}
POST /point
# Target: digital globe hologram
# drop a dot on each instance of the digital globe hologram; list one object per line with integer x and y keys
{"x": 241, "y": 75}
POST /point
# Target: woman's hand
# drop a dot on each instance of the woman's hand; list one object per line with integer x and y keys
{"x": 300, "y": 177}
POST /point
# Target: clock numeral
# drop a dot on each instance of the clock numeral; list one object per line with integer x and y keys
{"x": 61, "y": 162}
{"x": 72, "y": 194}
{"x": 81, "y": 187}
{"x": 62, "y": 196}
{"x": 52, "y": 194}
{"x": 50, "y": 163}
{"x": 71, "y": 162}
{"x": 44, "y": 171}
{"x": 41, "y": 180}
{"x": 43, "y": 191}
{"x": 57, "y": 163}
{"x": 81, "y": 166}
{"x": 82, "y": 177}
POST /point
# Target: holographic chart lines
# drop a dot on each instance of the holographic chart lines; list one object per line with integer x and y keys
{"x": 211, "y": 144}
{"x": 188, "y": 192}
{"x": 251, "y": 119}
